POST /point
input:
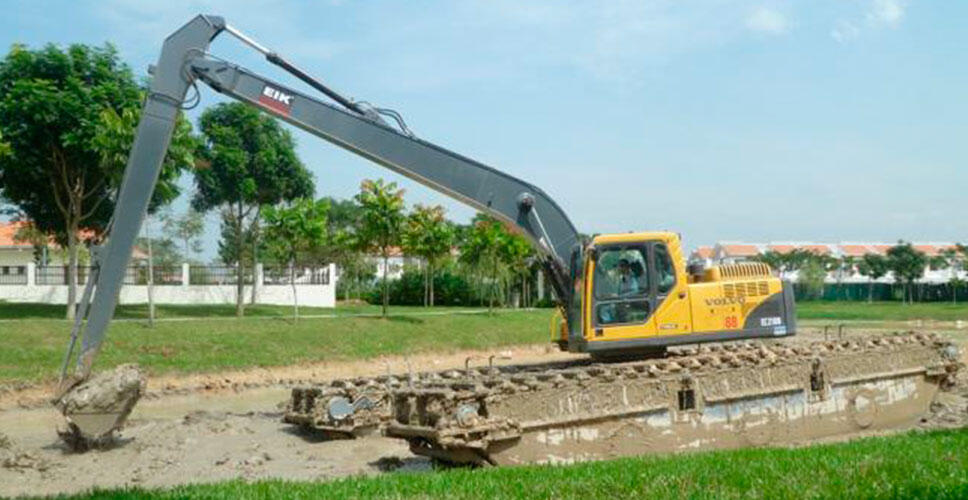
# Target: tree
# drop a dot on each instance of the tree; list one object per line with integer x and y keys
{"x": 954, "y": 258}
{"x": 188, "y": 229}
{"x": 519, "y": 257}
{"x": 381, "y": 223}
{"x": 66, "y": 157}
{"x": 812, "y": 275}
{"x": 482, "y": 249}
{"x": 249, "y": 161}
{"x": 429, "y": 236}
{"x": 4, "y": 147}
{"x": 293, "y": 230}
{"x": 907, "y": 263}
{"x": 844, "y": 268}
{"x": 776, "y": 260}
{"x": 874, "y": 266}
{"x": 342, "y": 248}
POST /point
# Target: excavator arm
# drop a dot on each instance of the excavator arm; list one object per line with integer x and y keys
{"x": 353, "y": 126}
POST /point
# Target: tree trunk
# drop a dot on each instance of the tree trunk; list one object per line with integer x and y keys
{"x": 255, "y": 248}
{"x": 239, "y": 268}
{"x": 431, "y": 265}
{"x": 386, "y": 284}
{"x": 71, "y": 269}
{"x": 493, "y": 287}
{"x": 292, "y": 282}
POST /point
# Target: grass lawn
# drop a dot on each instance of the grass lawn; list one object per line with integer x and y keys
{"x": 209, "y": 338}
{"x": 17, "y": 310}
{"x": 914, "y": 465}
{"x": 32, "y": 349}
{"x": 882, "y": 311}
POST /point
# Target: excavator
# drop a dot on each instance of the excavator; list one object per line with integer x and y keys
{"x": 671, "y": 366}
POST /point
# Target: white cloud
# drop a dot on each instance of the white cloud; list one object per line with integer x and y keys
{"x": 767, "y": 20}
{"x": 886, "y": 12}
{"x": 877, "y": 14}
{"x": 844, "y": 31}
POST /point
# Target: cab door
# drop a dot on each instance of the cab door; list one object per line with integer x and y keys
{"x": 621, "y": 292}
{"x": 672, "y": 312}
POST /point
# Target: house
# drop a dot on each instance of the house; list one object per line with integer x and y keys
{"x": 733, "y": 252}
{"x": 12, "y": 251}
{"x": 395, "y": 263}
{"x": 703, "y": 256}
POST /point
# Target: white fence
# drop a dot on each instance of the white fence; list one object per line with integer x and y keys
{"x": 183, "y": 284}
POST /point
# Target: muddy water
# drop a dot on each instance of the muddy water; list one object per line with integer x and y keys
{"x": 171, "y": 441}
{"x": 209, "y": 428}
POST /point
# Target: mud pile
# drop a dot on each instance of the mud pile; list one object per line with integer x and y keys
{"x": 94, "y": 409}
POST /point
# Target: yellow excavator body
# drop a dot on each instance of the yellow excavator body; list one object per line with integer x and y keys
{"x": 638, "y": 295}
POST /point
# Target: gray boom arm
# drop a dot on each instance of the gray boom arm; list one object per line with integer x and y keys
{"x": 183, "y": 59}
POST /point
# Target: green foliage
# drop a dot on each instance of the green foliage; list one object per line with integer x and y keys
{"x": 188, "y": 229}
{"x": 776, "y": 260}
{"x": 451, "y": 288}
{"x": 381, "y": 223}
{"x": 292, "y": 231}
{"x": 520, "y": 258}
{"x": 68, "y": 116}
{"x": 113, "y": 141}
{"x": 343, "y": 249}
{"x": 874, "y": 266}
{"x": 5, "y": 149}
{"x": 483, "y": 250}
{"x": 811, "y": 277}
{"x": 164, "y": 251}
{"x": 237, "y": 241}
{"x": 907, "y": 264}
{"x": 428, "y": 234}
{"x": 247, "y": 161}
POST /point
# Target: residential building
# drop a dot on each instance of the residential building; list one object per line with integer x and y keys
{"x": 731, "y": 252}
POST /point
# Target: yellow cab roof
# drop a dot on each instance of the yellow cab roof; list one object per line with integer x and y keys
{"x": 604, "y": 239}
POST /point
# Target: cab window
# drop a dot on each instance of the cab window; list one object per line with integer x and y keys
{"x": 664, "y": 269}
{"x": 621, "y": 285}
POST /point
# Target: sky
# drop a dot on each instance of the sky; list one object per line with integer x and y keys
{"x": 829, "y": 120}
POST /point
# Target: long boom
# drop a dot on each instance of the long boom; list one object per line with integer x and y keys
{"x": 184, "y": 60}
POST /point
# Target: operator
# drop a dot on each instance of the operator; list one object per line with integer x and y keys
{"x": 628, "y": 284}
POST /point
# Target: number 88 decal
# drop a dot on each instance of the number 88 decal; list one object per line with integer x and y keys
{"x": 731, "y": 322}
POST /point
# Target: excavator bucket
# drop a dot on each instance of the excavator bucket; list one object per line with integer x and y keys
{"x": 93, "y": 409}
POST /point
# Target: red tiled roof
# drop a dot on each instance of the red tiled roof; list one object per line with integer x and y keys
{"x": 740, "y": 250}
{"x": 929, "y": 250}
{"x": 857, "y": 250}
{"x": 782, "y": 248}
{"x": 8, "y": 233}
{"x": 8, "y": 230}
{"x": 817, "y": 249}
{"x": 880, "y": 249}
{"x": 704, "y": 252}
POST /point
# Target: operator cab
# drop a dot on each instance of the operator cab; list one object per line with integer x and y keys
{"x": 629, "y": 277}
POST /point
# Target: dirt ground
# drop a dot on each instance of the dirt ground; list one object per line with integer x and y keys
{"x": 209, "y": 428}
